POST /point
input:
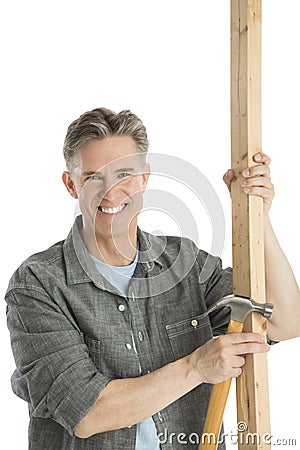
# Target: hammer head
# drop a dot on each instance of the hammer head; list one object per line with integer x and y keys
{"x": 241, "y": 307}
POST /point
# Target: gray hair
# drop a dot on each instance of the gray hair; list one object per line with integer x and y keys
{"x": 99, "y": 124}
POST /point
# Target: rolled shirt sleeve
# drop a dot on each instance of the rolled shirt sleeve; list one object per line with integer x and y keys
{"x": 54, "y": 374}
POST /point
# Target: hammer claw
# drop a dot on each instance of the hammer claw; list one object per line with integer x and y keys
{"x": 241, "y": 307}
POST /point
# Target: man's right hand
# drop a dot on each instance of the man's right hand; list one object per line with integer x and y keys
{"x": 221, "y": 358}
{"x": 214, "y": 362}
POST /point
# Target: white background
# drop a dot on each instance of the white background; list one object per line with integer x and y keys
{"x": 167, "y": 61}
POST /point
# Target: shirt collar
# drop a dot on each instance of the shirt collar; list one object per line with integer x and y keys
{"x": 81, "y": 269}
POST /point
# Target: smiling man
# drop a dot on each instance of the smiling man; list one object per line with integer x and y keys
{"x": 109, "y": 177}
{"x": 108, "y": 328}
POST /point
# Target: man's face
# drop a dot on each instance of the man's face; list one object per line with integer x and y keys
{"x": 109, "y": 180}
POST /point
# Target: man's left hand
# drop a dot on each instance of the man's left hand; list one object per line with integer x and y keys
{"x": 255, "y": 180}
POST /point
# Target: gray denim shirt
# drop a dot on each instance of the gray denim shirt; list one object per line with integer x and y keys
{"x": 71, "y": 334}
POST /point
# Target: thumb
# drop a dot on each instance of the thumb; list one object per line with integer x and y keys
{"x": 227, "y": 178}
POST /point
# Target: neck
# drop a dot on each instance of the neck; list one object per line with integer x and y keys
{"x": 117, "y": 251}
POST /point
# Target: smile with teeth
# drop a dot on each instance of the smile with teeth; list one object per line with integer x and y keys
{"x": 115, "y": 210}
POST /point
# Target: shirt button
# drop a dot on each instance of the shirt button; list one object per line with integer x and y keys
{"x": 141, "y": 337}
{"x": 128, "y": 346}
{"x": 121, "y": 308}
{"x": 159, "y": 416}
{"x": 194, "y": 322}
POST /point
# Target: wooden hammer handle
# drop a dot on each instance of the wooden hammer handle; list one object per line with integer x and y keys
{"x": 217, "y": 404}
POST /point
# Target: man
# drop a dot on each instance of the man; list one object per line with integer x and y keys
{"x": 112, "y": 346}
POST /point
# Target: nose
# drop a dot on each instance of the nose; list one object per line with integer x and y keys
{"x": 111, "y": 191}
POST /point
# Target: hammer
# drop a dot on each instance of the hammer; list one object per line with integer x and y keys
{"x": 241, "y": 307}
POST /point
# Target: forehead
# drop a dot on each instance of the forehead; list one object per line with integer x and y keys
{"x": 108, "y": 153}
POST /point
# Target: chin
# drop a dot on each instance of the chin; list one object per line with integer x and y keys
{"x": 111, "y": 231}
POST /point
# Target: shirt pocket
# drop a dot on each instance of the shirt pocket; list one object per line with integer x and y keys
{"x": 187, "y": 335}
{"x": 111, "y": 359}
{"x": 94, "y": 348}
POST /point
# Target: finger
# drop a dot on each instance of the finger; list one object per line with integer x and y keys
{"x": 228, "y": 177}
{"x": 257, "y": 182}
{"x": 265, "y": 193}
{"x": 236, "y": 373}
{"x": 240, "y": 338}
{"x": 238, "y": 361}
{"x": 226, "y": 180}
{"x": 256, "y": 171}
{"x": 253, "y": 347}
{"x": 262, "y": 158}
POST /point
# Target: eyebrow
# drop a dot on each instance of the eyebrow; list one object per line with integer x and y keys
{"x": 122, "y": 169}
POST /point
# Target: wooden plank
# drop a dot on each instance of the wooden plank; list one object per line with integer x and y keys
{"x": 247, "y": 212}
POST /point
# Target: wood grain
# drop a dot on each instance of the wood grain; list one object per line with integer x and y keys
{"x": 247, "y": 211}
{"x": 217, "y": 403}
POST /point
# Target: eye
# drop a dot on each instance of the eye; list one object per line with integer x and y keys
{"x": 124, "y": 175}
{"x": 96, "y": 177}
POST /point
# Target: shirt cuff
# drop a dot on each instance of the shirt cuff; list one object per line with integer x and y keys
{"x": 78, "y": 401}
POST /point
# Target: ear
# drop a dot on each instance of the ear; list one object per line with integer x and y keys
{"x": 145, "y": 175}
{"x": 68, "y": 182}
